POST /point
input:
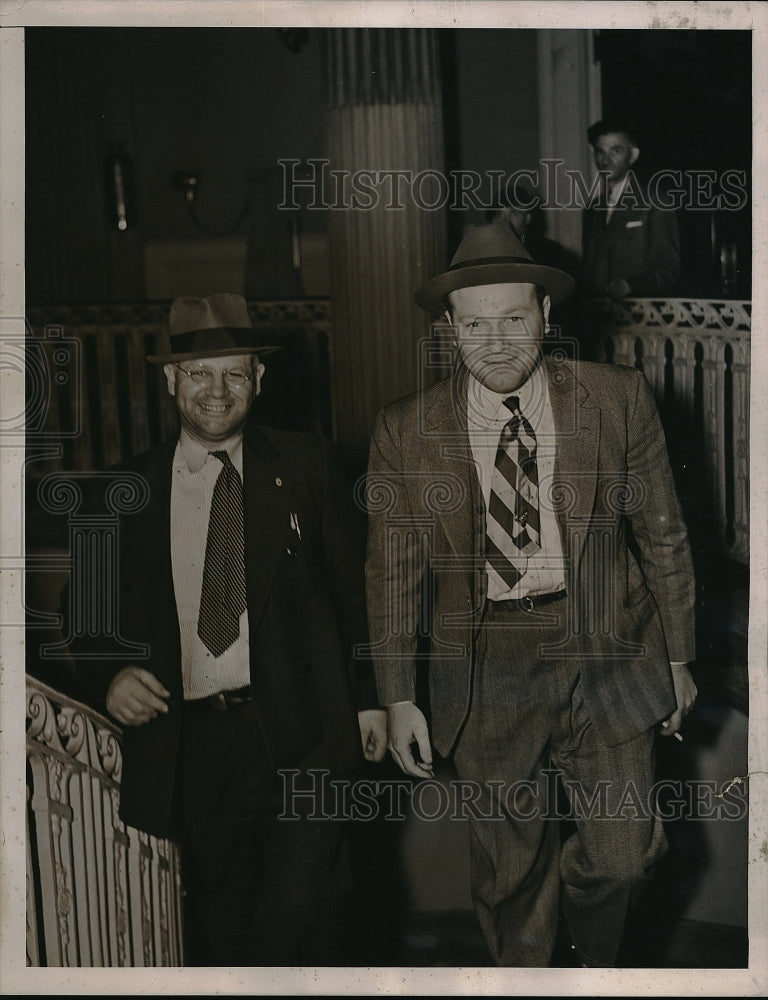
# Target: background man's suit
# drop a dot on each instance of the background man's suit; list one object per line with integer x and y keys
{"x": 305, "y": 612}
{"x": 427, "y": 525}
{"x": 640, "y": 245}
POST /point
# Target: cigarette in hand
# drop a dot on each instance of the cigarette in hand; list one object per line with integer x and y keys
{"x": 677, "y": 736}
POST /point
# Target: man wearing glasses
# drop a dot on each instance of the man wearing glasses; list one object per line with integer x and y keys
{"x": 238, "y": 578}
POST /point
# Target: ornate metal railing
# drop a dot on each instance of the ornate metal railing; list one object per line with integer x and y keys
{"x": 696, "y": 356}
{"x": 98, "y": 893}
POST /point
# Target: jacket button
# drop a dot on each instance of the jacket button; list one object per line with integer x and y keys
{"x": 278, "y": 481}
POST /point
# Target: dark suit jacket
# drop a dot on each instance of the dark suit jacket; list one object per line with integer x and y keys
{"x": 305, "y": 613}
{"x": 641, "y": 245}
{"x": 629, "y": 569}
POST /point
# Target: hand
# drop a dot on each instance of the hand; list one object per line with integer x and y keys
{"x": 617, "y": 289}
{"x": 135, "y": 697}
{"x": 406, "y": 725}
{"x": 685, "y": 695}
{"x": 373, "y": 732}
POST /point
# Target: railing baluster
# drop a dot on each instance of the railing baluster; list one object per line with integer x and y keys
{"x": 33, "y": 940}
{"x": 95, "y": 889}
{"x": 135, "y": 897}
{"x": 698, "y": 385}
{"x": 741, "y": 448}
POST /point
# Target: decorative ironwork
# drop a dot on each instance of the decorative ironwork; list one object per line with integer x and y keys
{"x": 277, "y": 312}
{"x": 86, "y": 904}
{"x": 676, "y": 315}
{"x": 696, "y": 357}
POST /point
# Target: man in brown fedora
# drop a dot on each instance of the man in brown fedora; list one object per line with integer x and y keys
{"x": 523, "y": 519}
{"x": 238, "y": 579}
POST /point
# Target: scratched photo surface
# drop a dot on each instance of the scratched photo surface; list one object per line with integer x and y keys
{"x": 325, "y": 174}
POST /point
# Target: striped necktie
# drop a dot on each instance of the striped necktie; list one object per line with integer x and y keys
{"x": 512, "y": 527}
{"x": 222, "y": 599}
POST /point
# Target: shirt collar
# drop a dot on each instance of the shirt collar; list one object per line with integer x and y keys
{"x": 615, "y": 191}
{"x": 195, "y": 454}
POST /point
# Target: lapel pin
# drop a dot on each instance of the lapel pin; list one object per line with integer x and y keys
{"x": 278, "y": 481}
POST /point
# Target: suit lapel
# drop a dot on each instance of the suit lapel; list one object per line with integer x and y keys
{"x": 577, "y": 426}
{"x": 577, "y": 429}
{"x": 268, "y": 478}
{"x": 618, "y": 223}
{"x": 447, "y": 449}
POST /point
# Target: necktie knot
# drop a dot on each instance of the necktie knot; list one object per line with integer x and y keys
{"x": 512, "y": 403}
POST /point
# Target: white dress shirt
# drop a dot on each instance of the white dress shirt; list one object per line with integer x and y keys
{"x": 615, "y": 191}
{"x": 486, "y": 417}
{"x": 194, "y": 476}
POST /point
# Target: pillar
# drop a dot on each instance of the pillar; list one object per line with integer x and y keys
{"x": 384, "y": 114}
{"x": 569, "y": 102}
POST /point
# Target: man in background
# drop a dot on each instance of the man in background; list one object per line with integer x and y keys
{"x": 631, "y": 247}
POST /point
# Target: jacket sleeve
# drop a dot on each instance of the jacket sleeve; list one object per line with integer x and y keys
{"x": 103, "y": 624}
{"x": 658, "y": 526}
{"x": 343, "y": 541}
{"x": 395, "y": 563}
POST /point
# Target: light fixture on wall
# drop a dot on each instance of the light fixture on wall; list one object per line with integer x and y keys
{"x": 188, "y": 183}
{"x": 118, "y": 186}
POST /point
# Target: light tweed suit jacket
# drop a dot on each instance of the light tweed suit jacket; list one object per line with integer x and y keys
{"x": 628, "y": 565}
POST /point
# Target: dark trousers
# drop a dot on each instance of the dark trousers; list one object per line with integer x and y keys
{"x": 527, "y": 720}
{"x": 258, "y": 890}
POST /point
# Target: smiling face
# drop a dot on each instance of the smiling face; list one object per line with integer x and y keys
{"x": 212, "y": 413}
{"x": 499, "y": 329}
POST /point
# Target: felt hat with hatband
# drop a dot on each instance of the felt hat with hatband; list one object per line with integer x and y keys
{"x": 491, "y": 255}
{"x": 210, "y": 327}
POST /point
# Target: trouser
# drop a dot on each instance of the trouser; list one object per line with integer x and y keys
{"x": 527, "y": 719}
{"x": 258, "y": 890}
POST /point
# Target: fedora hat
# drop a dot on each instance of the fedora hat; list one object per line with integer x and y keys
{"x": 210, "y": 327}
{"x": 490, "y": 255}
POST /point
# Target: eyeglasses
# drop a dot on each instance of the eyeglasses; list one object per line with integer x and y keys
{"x": 235, "y": 378}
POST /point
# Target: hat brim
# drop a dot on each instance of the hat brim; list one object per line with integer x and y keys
{"x": 432, "y": 294}
{"x": 221, "y": 352}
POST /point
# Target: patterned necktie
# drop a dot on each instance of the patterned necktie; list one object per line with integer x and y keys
{"x": 222, "y": 600}
{"x": 512, "y": 529}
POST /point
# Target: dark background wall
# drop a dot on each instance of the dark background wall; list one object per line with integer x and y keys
{"x": 228, "y": 103}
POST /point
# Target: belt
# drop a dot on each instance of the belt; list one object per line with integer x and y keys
{"x": 530, "y": 602}
{"x": 224, "y": 701}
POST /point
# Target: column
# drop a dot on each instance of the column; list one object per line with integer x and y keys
{"x": 384, "y": 114}
{"x": 569, "y": 102}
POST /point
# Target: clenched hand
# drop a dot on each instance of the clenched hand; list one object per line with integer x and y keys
{"x": 136, "y": 696}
